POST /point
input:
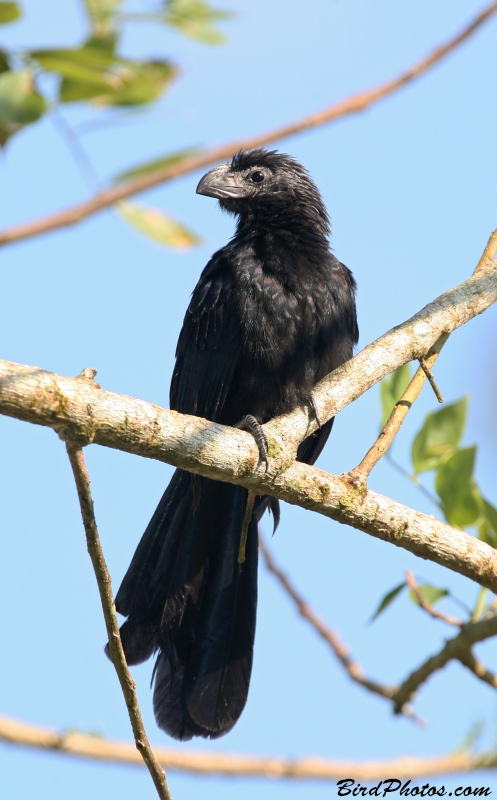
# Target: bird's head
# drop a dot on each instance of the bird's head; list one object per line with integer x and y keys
{"x": 268, "y": 185}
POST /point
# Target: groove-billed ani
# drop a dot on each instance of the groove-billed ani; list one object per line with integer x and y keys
{"x": 272, "y": 313}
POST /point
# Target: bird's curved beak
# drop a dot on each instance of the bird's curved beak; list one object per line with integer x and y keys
{"x": 221, "y": 183}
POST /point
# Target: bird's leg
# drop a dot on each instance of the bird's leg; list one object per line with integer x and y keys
{"x": 309, "y": 398}
{"x": 250, "y": 424}
{"x": 245, "y": 526}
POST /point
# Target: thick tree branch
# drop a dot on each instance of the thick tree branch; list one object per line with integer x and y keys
{"x": 81, "y": 411}
{"x": 351, "y": 105}
{"x": 104, "y": 582}
{"x": 83, "y": 745}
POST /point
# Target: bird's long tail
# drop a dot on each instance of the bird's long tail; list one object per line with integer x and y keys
{"x": 188, "y": 599}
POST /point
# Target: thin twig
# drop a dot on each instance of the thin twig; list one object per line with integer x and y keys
{"x": 427, "y": 371}
{"x": 359, "y": 475}
{"x": 351, "y": 105}
{"x": 82, "y": 745}
{"x": 102, "y": 575}
{"x": 475, "y": 666}
{"x": 78, "y": 152}
{"x": 489, "y": 252}
{"x": 426, "y": 606}
{"x": 480, "y": 603}
{"x": 353, "y": 668}
{"x": 456, "y": 649}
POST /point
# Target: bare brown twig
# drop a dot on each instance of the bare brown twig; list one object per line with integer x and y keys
{"x": 458, "y": 649}
{"x": 81, "y": 745}
{"x": 359, "y": 475}
{"x": 351, "y": 105}
{"x": 82, "y": 480}
{"x": 475, "y": 666}
{"x": 427, "y": 371}
{"x": 426, "y": 606}
{"x": 489, "y": 252}
{"x": 353, "y": 668}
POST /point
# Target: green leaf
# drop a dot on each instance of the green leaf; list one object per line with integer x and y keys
{"x": 94, "y": 72}
{"x": 392, "y": 389}
{"x": 9, "y": 12}
{"x": 387, "y": 599}
{"x": 159, "y": 227}
{"x": 157, "y": 163}
{"x": 102, "y": 12}
{"x": 20, "y": 103}
{"x": 491, "y": 514}
{"x": 486, "y": 533}
{"x": 144, "y": 82}
{"x": 487, "y": 526}
{"x": 432, "y": 594}
{"x": 91, "y": 65}
{"x": 196, "y": 19}
{"x": 454, "y": 475}
{"x": 4, "y": 62}
{"x": 440, "y": 435}
{"x": 456, "y": 488}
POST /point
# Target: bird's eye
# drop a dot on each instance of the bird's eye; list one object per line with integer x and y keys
{"x": 257, "y": 176}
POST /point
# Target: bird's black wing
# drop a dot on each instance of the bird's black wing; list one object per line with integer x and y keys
{"x": 208, "y": 346}
{"x": 185, "y": 594}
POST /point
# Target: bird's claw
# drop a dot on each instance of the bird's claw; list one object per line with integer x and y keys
{"x": 312, "y": 403}
{"x": 250, "y": 424}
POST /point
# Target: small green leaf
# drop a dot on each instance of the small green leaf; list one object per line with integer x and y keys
{"x": 159, "y": 227}
{"x": 455, "y": 474}
{"x": 157, "y": 163}
{"x": 432, "y": 594}
{"x": 101, "y": 12}
{"x": 4, "y": 62}
{"x": 472, "y": 738}
{"x": 20, "y": 103}
{"x": 95, "y": 72}
{"x": 392, "y": 389}
{"x": 90, "y": 65}
{"x": 440, "y": 435}
{"x": 387, "y": 599}
{"x": 9, "y": 12}
{"x": 490, "y": 513}
{"x": 486, "y": 533}
{"x": 144, "y": 82}
{"x": 196, "y": 19}
{"x": 456, "y": 488}
{"x": 487, "y": 525}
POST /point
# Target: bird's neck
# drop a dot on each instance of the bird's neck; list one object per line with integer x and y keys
{"x": 288, "y": 228}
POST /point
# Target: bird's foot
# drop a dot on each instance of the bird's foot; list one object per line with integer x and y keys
{"x": 250, "y": 424}
{"x": 309, "y": 398}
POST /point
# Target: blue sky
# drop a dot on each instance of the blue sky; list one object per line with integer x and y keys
{"x": 410, "y": 186}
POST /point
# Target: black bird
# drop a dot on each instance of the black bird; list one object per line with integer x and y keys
{"x": 273, "y": 312}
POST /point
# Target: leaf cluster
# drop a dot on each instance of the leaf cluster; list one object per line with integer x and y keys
{"x": 96, "y": 71}
{"x": 437, "y": 449}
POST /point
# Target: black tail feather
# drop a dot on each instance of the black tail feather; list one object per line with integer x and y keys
{"x": 186, "y": 596}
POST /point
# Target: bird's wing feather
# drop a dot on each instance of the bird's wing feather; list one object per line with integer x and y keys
{"x": 199, "y": 385}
